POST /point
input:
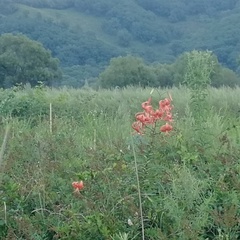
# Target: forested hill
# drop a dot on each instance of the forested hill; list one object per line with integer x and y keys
{"x": 86, "y": 34}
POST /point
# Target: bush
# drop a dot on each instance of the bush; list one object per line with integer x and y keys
{"x": 124, "y": 71}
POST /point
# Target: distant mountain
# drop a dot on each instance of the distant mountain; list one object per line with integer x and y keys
{"x": 88, "y": 34}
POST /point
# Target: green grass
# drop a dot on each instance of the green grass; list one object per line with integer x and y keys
{"x": 189, "y": 186}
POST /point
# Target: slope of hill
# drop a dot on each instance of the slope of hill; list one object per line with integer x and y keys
{"x": 82, "y": 33}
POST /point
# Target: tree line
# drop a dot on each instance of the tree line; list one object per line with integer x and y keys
{"x": 130, "y": 70}
{"x": 23, "y": 60}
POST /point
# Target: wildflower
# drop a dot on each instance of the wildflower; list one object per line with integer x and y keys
{"x": 130, "y": 223}
{"x": 166, "y": 128}
{"x": 150, "y": 116}
{"x": 158, "y": 114}
{"x": 78, "y": 186}
{"x": 138, "y": 127}
{"x": 165, "y": 105}
{"x": 140, "y": 117}
{"x": 168, "y": 117}
{"x": 147, "y": 103}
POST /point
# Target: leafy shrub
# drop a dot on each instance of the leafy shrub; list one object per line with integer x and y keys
{"x": 124, "y": 71}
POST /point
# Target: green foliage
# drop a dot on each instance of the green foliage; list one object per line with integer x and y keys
{"x": 78, "y": 75}
{"x": 225, "y": 77}
{"x": 71, "y": 47}
{"x": 195, "y": 69}
{"x": 164, "y": 74}
{"x": 6, "y": 9}
{"x": 186, "y": 69}
{"x": 218, "y": 76}
{"x": 25, "y": 61}
{"x": 124, "y": 38}
{"x": 81, "y": 32}
{"x": 199, "y": 68}
{"x": 129, "y": 70}
{"x": 187, "y": 193}
{"x": 6, "y": 102}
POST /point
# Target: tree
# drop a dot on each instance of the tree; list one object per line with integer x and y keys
{"x": 128, "y": 70}
{"x": 164, "y": 74}
{"x": 23, "y": 60}
{"x": 124, "y": 38}
{"x": 225, "y": 77}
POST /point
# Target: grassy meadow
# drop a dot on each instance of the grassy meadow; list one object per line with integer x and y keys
{"x": 189, "y": 179}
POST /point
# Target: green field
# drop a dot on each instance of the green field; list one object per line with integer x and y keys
{"x": 189, "y": 179}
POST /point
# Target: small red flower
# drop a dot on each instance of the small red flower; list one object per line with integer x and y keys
{"x": 78, "y": 186}
{"x": 166, "y": 128}
{"x": 168, "y": 117}
{"x": 158, "y": 114}
{"x": 165, "y": 105}
{"x": 147, "y": 103}
{"x": 138, "y": 127}
{"x": 140, "y": 117}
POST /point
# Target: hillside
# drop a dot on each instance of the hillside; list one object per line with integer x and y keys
{"x": 87, "y": 35}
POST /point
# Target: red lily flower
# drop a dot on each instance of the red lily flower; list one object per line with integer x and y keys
{"x": 158, "y": 114}
{"x": 168, "y": 117}
{"x": 138, "y": 127}
{"x": 165, "y": 104}
{"x": 147, "y": 103}
{"x": 166, "y": 128}
{"x": 78, "y": 186}
{"x": 151, "y": 116}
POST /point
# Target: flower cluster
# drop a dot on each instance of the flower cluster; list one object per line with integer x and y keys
{"x": 150, "y": 116}
{"x": 78, "y": 186}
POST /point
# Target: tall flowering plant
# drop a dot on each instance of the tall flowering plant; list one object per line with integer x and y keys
{"x": 150, "y": 117}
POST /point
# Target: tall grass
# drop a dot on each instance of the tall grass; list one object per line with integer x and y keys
{"x": 188, "y": 191}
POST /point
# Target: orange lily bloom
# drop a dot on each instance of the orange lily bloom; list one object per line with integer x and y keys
{"x": 168, "y": 117}
{"x": 138, "y": 127}
{"x": 166, "y": 128}
{"x": 151, "y": 116}
{"x": 78, "y": 186}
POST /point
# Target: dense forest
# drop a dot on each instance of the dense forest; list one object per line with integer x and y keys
{"x": 85, "y": 35}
